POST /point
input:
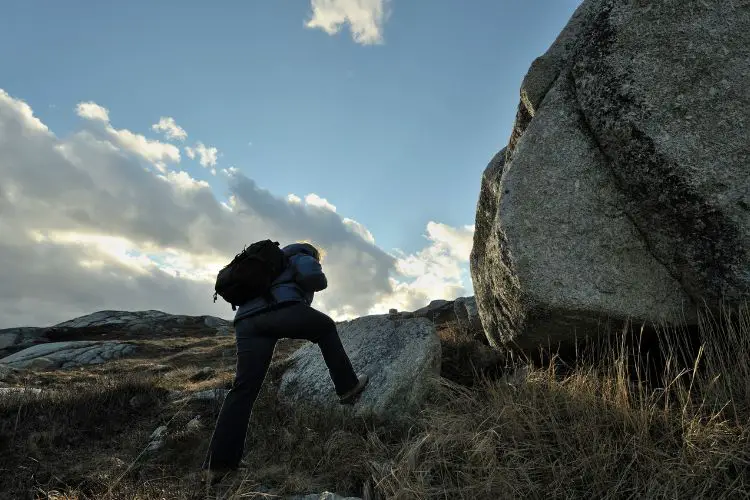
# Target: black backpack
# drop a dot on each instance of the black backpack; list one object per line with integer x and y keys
{"x": 251, "y": 273}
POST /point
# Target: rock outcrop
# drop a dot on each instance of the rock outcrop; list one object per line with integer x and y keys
{"x": 624, "y": 191}
{"x": 467, "y": 314}
{"x": 463, "y": 310}
{"x": 401, "y": 357}
{"x": 116, "y": 324}
{"x": 68, "y": 354}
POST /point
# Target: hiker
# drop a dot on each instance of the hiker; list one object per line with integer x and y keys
{"x": 259, "y": 324}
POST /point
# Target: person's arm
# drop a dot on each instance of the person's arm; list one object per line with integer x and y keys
{"x": 310, "y": 274}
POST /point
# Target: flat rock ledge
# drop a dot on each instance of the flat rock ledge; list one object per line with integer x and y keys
{"x": 68, "y": 354}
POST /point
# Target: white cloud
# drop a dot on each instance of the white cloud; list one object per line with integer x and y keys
{"x": 314, "y": 200}
{"x": 359, "y": 229}
{"x": 169, "y": 127}
{"x": 456, "y": 241}
{"x": 86, "y": 227}
{"x": 206, "y": 155}
{"x": 438, "y": 271}
{"x": 92, "y": 111}
{"x": 182, "y": 180}
{"x": 155, "y": 152}
{"x": 364, "y": 17}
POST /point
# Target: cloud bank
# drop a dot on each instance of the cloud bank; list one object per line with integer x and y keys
{"x": 105, "y": 219}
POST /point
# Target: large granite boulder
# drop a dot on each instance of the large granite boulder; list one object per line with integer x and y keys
{"x": 401, "y": 356}
{"x": 624, "y": 191}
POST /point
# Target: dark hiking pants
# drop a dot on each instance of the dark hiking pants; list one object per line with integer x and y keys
{"x": 256, "y": 340}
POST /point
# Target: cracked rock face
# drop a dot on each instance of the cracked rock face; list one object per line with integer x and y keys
{"x": 624, "y": 192}
{"x": 67, "y": 354}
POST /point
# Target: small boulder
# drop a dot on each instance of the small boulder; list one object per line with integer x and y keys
{"x": 401, "y": 357}
{"x": 437, "y": 311}
{"x": 156, "y": 441}
{"x": 180, "y": 397}
{"x": 194, "y": 425}
{"x": 204, "y": 373}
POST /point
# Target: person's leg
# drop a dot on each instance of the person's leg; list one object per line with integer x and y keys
{"x": 303, "y": 322}
{"x": 228, "y": 440}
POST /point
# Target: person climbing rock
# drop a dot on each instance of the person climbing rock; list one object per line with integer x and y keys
{"x": 259, "y": 324}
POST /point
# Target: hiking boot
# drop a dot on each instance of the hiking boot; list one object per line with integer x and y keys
{"x": 215, "y": 476}
{"x": 350, "y": 397}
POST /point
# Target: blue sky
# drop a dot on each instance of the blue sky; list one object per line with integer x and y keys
{"x": 394, "y": 127}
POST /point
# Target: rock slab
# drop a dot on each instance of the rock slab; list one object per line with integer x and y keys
{"x": 624, "y": 191}
{"x": 401, "y": 356}
{"x": 68, "y": 354}
{"x": 149, "y": 324}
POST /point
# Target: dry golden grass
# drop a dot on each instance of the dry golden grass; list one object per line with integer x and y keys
{"x": 591, "y": 432}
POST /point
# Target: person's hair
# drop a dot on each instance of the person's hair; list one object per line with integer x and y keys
{"x": 318, "y": 252}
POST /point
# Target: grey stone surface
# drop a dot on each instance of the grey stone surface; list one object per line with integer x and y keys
{"x": 194, "y": 425}
{"x": 41, "y": 363}
{"x": 126, "y": 319}
{"x": 180, "y": 397}
{"x": 401, "y": 357}
{"x": 14, "y": 339}
{"x": 433, "y": 310}
{"x": 7, "y": 340}
{"x": 7, "y": 371}
{"x": 624, "y": 192}
{"x": 156, "y": 441}
{"x": 5, "y": 391}
{"x": 214, "y": 322}
{"x": 467, "y": 314}
{"x": 68, "y": 354}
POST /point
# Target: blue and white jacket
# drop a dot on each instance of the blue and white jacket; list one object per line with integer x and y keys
{"x": 298, "y": 283}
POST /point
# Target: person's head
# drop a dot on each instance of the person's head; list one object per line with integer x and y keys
{"x": 311, "y": 250}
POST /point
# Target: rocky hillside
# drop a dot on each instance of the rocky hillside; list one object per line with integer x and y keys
{"x": 137, "y": 387}
{"x": 111, "y": 410}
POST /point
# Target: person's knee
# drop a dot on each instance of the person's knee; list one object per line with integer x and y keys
{"x": 325, "y": 328}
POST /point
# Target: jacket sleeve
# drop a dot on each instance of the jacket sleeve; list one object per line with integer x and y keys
{"x": 310, "y": 274}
